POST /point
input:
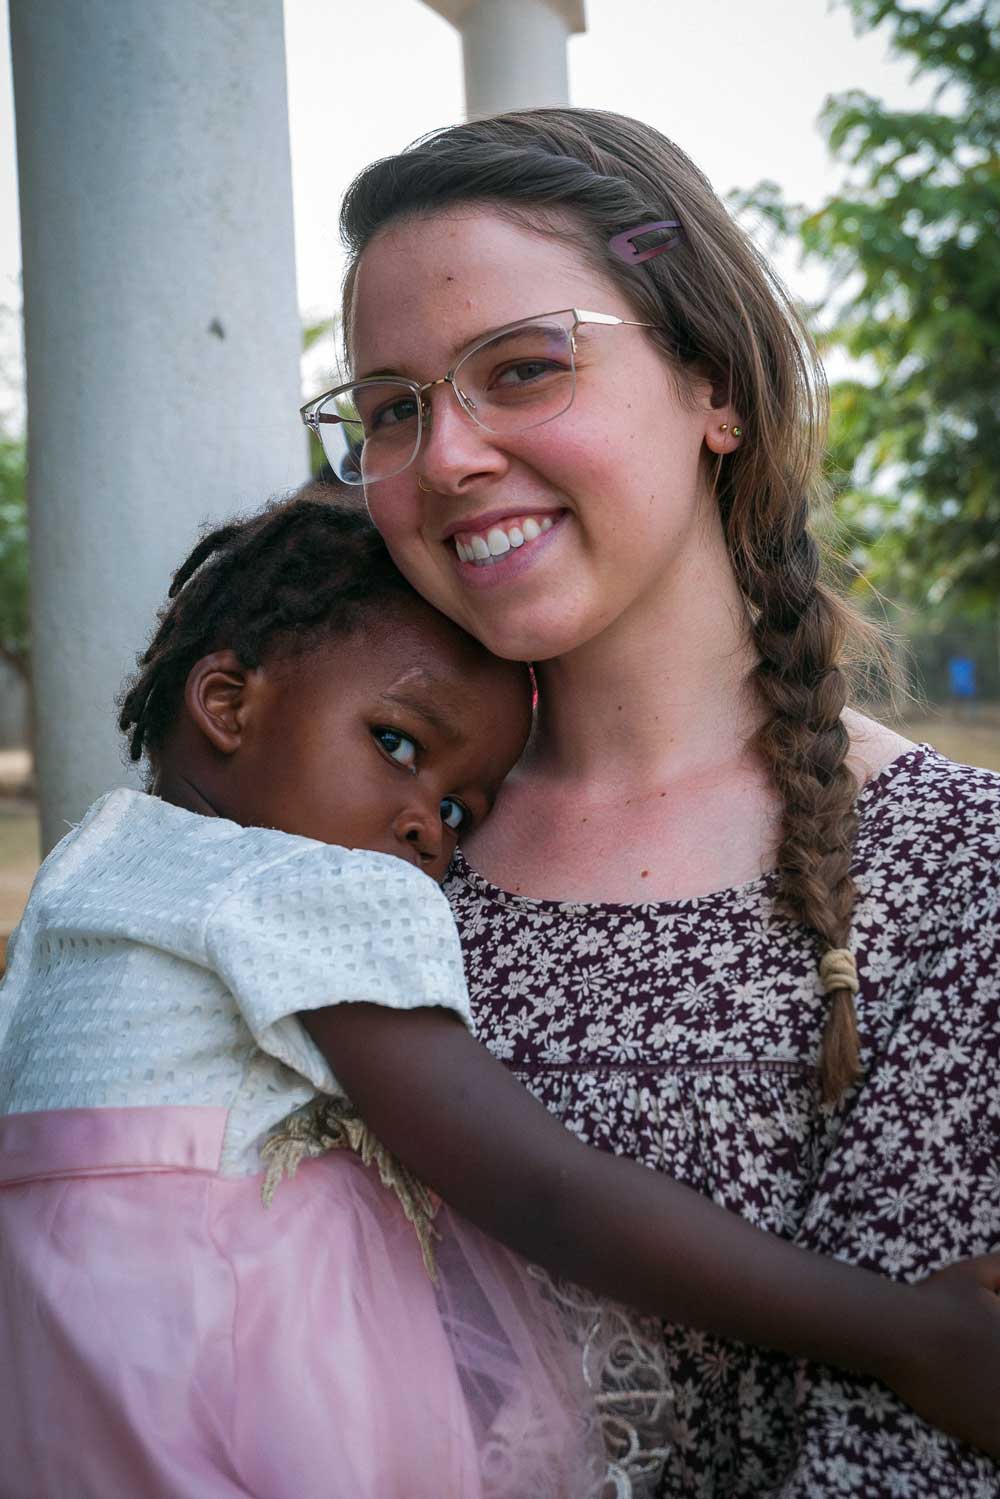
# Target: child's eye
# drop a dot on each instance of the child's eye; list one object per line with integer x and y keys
{"x": 453, "y": 814}
{"x": 399, "y": 747}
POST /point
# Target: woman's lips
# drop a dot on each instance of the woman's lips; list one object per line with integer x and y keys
{"x": 482, "y": 546}
{"x": 504, "y": 549}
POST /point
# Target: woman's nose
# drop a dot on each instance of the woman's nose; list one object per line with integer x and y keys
{"x": 421, "y": 829}
{"x": 456, "y": 450}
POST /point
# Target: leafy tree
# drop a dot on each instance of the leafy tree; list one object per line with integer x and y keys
{"x": 913, "y": 242}
{"x": 14, "y": 647}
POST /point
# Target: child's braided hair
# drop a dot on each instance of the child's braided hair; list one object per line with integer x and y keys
{"x": 296, "y": 571}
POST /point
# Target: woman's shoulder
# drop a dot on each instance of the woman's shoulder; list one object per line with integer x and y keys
{"x": 929, "y": 815}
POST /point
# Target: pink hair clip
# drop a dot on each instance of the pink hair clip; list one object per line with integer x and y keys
{"x": 623, "y": 245}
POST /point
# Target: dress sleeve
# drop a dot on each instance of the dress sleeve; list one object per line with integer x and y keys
{"x": 331, "y": 926}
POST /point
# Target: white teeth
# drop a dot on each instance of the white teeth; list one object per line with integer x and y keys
{"x": 498, "y": 541}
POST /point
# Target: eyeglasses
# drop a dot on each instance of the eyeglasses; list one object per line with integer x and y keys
{"x": 515, "y": 378}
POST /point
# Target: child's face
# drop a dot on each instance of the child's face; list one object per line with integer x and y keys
{"x": 395, "y": 739}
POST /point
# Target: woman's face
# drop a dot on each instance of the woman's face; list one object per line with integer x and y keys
{"x": 610, "y": 498}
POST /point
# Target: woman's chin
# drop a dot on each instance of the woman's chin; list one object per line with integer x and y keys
{"x": 528, "y": 638}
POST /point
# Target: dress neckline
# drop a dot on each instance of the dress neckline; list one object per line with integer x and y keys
{"x": 748, "y": 892}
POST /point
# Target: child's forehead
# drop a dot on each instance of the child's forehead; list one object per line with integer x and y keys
{"x": 450, "y": 698}
{"x": 432, "y": 655}
{"x": 443, "y": 697}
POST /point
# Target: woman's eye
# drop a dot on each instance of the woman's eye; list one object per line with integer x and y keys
{"x": 526, "y": 372}
{"x": 399, "y": 747}
{"x": 453, "y": 814}
{"x": 393, "y": 413}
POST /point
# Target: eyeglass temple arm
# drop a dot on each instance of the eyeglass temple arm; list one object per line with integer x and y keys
{"x": 608, "y": 318}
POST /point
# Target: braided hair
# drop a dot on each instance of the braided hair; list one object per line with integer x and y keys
{"x": 296, "y": 572}
{"x": 720, "y": 314}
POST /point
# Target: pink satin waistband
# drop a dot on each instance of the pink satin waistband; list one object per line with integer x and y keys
{"x": 104, "y": 1142}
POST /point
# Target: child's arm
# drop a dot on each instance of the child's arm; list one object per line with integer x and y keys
{"x": 454, "y": 1115}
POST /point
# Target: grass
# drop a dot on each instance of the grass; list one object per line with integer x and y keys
{"x": 974, "y": 740}
{"x": 18, "y": 861}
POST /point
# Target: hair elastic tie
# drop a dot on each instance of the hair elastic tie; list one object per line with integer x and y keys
{"x": 838, "y": 969}
{"x": 623, "y": 245}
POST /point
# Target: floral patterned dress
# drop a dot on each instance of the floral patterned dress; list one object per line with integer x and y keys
{"x": 685, "y": 1034}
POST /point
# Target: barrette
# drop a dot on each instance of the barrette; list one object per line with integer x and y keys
{"x": 623, "y": 245}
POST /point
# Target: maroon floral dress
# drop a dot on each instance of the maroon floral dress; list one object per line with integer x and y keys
{"x": 685, "y": 1034}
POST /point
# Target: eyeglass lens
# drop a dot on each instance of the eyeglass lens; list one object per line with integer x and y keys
{"x": 518, "y": 378}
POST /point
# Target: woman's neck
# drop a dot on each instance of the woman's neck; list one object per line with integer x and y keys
{"x": 660, "y": 694}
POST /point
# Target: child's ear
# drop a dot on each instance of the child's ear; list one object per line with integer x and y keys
{"x": 216, "y": 697}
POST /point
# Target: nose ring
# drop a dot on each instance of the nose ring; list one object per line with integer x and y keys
{"x": 426, "y": 488}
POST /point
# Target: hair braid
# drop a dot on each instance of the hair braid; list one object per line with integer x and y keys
{"x": 298, "y": 570}
{"x": 799, "y": 631}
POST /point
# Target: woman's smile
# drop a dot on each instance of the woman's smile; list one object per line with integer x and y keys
{"x": 483, "y": 543}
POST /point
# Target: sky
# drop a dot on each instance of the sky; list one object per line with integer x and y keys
{"x": 738, "y": 83}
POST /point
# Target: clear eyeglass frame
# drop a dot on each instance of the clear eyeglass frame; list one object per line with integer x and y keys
{"x": 321, "y": 416}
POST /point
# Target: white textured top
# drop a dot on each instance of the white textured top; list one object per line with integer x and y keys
{"x": 163, "y": 956}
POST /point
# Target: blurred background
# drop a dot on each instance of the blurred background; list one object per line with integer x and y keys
{"x": 181, "y": 166}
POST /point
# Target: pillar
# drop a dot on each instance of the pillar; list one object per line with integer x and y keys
{"x": 514, "y": 51}
{"x": 161, "y": 329}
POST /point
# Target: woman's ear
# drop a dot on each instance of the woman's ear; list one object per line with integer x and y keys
{"x": 723, "y": 430}
{"x": 217, "y": 695}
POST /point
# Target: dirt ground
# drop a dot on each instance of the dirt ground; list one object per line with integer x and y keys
{"x": 971, "y": 735}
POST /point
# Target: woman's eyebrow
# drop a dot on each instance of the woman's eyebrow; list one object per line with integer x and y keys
{"x": 501, "y": 330}
{"x": 381, "y": 374}
{"x": 437, "y": 717}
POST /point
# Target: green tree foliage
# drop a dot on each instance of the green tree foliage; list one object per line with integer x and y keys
{"x": 13, "y": 556}
{"x": 913, "y": 241}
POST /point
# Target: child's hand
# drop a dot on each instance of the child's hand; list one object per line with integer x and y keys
{"x": 950, "y": 1375}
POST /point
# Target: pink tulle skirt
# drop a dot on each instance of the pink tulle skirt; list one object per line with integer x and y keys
{"x": 162, "y": 1336}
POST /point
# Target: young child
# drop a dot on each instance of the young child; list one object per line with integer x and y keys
{"x": 186, "y": 977}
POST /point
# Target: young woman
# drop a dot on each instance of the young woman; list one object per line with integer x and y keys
{"x": 719, "y": 921}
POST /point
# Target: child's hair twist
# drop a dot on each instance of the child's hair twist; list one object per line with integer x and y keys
{"x": 284, "y": 578}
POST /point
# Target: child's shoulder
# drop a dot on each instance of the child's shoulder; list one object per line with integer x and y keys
{"x": 139, "y": 827}
{"x": 147, "y": 840}
{"x": 142, "y": 868}
{"x": 134, "y": 860}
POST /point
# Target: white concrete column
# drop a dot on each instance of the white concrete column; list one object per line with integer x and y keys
{"x": 162, "y": 333}
{"x": 514, "y": 51}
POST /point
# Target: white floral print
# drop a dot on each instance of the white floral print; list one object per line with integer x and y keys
{"x": 685, "y": 1034}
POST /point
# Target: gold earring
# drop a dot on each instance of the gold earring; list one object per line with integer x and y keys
{"x": 737, "y": 431}
{"x": 421, "y": 485}
{"x": 724, "y": 427}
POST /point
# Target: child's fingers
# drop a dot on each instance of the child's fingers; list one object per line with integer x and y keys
{"x": 984, "y": 1270}
{"x": 987, "y": 1271}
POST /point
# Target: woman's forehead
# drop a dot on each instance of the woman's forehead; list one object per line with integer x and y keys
{"x": 425, "y": 287}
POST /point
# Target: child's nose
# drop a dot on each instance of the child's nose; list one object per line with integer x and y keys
{"x": 420, "y": 827}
